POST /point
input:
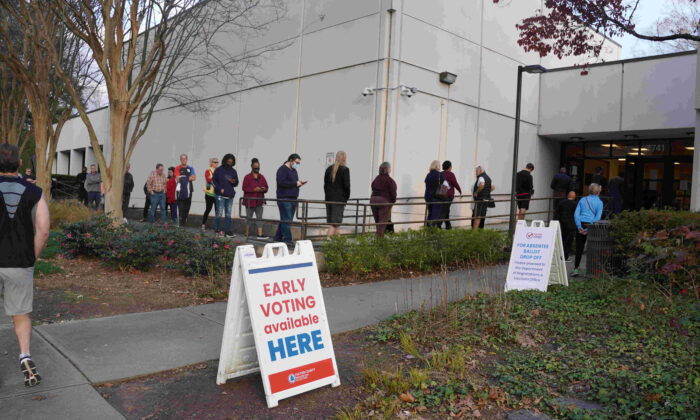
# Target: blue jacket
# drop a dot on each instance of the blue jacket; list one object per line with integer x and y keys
{"x": 589, "y": 210}
{"x": 220, "y": 180}
{"x": 432, "y": 182}
{"x": 287, "y": 182}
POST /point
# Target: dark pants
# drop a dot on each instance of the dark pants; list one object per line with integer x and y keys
{"x": 287, "y": 210}
{"x": 94, "y": 199}
{"x": 480, "y": 209}
{"x": 125, "y": 203}
{"x": 434, "y": 211}
{"x": 616, "y": 204}
{"x": 382, "y": 214}
{"x": 580, "y": 243}
{"x": 567, "y": 238}
{"x": 184, "y": 209}
{"x": 173, "y": 210}
{"x": 82, "y": 196}
{"x": 445, "y": 214}
{"x": 209, "y": 201}
{"x": 146, "y": 207}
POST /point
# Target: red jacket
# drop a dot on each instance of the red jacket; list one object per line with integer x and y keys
{"x": 249, "y": 185}
{"x": 170, "y": 187}
{"x": 452, "y": 180}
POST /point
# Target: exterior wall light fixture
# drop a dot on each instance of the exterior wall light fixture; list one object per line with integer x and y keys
{"x": 407, "y": 91}
{"x": 448, "y": 78}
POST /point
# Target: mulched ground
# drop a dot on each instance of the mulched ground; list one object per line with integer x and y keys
{"x": 192, "y": 392}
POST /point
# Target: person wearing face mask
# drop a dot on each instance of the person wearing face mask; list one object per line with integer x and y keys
{"x": 225, "y": 179}
{"x": 288, "y": 185}
{"x": 209, "y": 193}
{"x": 254, "y": 189}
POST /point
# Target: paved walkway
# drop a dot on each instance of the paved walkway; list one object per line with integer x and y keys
{"x": 74, "y": 355}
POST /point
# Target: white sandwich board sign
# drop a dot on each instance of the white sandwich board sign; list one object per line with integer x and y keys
{"x": 537, "y": 257}
{"x": 276, "y": 322}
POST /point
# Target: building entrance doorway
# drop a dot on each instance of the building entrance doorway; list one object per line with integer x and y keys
{"x": 643, "y": 174}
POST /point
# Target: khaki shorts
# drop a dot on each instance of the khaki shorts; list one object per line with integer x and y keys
{"x": 17, "y": 290}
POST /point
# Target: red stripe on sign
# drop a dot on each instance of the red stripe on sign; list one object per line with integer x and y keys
{"x": 301, "y": 375}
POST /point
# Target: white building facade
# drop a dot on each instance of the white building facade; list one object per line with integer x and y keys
{"x": 311, "y": 102}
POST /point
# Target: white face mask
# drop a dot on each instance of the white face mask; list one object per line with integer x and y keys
{"x": 296, "y": 165}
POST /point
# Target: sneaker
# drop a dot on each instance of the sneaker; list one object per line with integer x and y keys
{"x": 230, "y": 235}
{"x": 204, "y": 227}
{"x": 263, "y": 238}
{"x": 28, "y": 368}
{"x": 574, "y": 273}
{"x": 125, "y": 221}
{"x": 569, "y": 260}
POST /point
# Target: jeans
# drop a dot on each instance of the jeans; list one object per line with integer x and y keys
{"x": 157, "y": 200}
{"x": 223, "y": 206}
{"x": 173, "y": 211}
{"x": 94, "y": 198}
{"x": 287, "y": 210}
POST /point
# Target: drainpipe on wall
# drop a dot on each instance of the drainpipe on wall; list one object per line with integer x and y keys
{"x": 695, "y": 184}
{"x": 386, "y": 79}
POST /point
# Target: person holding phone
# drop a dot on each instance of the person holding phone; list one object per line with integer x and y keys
{"x": 225, "y": 179}
{"x": 288, "y": 185}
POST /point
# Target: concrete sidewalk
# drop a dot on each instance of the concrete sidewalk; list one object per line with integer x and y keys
{"x": 74, "y": 355}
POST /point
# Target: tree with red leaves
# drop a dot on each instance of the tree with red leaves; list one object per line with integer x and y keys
{"x": 563, "y": 28}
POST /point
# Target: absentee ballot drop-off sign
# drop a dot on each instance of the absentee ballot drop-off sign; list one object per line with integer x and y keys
{"x": 537, "y": 257}
{"x": 276, "y": 308}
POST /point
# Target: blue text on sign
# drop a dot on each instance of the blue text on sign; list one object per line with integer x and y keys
{"x": 294, "y": 345}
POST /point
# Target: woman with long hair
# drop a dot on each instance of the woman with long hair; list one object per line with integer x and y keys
{"x": 336, "y": 186}
{"x": 209, "y": 193}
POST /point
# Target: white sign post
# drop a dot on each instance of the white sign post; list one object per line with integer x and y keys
{"x": 537, "y": 257}
{"x": 276, "y": 322}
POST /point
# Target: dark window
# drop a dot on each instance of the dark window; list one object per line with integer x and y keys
{"x": 598, "y": 149}
{"x": 573, "y": 150}
{"x": 682, "y": 148}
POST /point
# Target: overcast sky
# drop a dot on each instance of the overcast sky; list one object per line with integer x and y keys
{"x": 647, "y": 14}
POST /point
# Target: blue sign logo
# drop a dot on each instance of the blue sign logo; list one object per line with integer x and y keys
{"x": 292, "y": 379}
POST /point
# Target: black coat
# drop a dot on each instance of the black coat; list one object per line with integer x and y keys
{"x": 338, "y": 190}
{"x": 565, "y": 214}
{"x": 128, "y": 183}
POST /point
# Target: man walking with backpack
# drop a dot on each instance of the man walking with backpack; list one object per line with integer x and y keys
{"x": 24, "y": 230}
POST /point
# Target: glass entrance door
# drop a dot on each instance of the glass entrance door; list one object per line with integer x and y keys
{"x": 662, "y": 183}
{"x": 651, "y": 185}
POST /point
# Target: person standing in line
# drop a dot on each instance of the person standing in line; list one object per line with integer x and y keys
{"x": 82, "y": 192}
{"x": 599, "y": 178}
{"x": 565, "y": 215}
{"x": 434, "y": 194}
{"x": 254, "y": 189}
{"x": 336, "y": 186}
{"x": 588, "y": 211}
{"x": 24, "y": 230}
{"x": 155, "y": 185}
{"x": 617, "y": 192}
{"x": 128, "y": 188}
{"x": 225, "y": 179}
{"x": 288, "y": 185}
{"x": 171, "y": 195}
{"x": 93, "y": 186}
{"x": 383, "y": 194}
{"x": 209, "y": 193}
{"x": 524, "y": 189}
{"x": 147, "y": 202}
{"x": 482, "y": 197}
{"x": 451, "y": 180}
{"x": 29, "y": 176}
{"x": 560, "y": 185}
{"x": 184, "y": 197}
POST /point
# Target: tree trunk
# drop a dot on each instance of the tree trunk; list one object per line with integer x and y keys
{"x": 44, "y": 159}
{"x": 114, "y": 180}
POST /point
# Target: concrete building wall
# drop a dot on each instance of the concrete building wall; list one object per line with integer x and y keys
{"x": 320, "y": 57}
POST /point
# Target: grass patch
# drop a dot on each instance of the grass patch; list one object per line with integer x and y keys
{"x": 53, "y": 246}
{"x": 627, "y": 347}
{"x": 68, "y": 211}
{"x": 46, "y": 267}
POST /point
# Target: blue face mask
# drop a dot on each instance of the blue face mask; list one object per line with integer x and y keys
{"x": 296, "y": 165}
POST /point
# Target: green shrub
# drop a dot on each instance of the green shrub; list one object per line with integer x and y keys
{"x": 660, "y": 246}
{"x": 68, "y": 211}
{"x": 46, "y": 268}
{"x": 422, "y": 250}
{"x": 144, "y": 247}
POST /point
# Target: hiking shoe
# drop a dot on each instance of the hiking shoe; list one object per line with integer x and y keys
{"x": 28, "y": 368}
{"x": 574, "y": 273}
